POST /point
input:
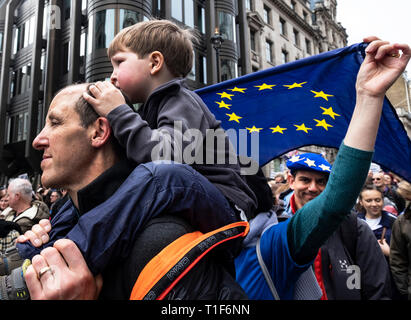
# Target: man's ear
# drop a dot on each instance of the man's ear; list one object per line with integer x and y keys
{"x": 101, "y": 132}
{"x": 156, "y": 62}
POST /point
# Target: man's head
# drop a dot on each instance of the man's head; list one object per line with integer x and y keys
{"x": 378, "y": 179}
{"x": 148, "y": 49}
{"x": 19, "y": 194}
{"x": 54, "y": 196}
{"x": 75, "y": 140}
{"x": 308, "y": 176}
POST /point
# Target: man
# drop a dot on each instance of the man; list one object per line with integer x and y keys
{"x": 352, "y": 245}
{"x": 275, "y": 255}
{"x": 26, "y": 212}
{"x": 82, "y": 156}
{"x": 391, "y": 197}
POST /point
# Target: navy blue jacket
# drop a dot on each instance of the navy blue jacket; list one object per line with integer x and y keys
{"x": 112, "y": 213}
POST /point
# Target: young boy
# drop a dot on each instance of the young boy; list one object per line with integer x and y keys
{"x": 150, "y": 60}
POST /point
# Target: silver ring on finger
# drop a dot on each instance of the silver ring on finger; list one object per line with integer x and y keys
{"x": 45, "y": 270}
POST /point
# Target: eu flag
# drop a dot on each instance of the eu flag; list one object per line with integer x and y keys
{"x": 306, "y": 102}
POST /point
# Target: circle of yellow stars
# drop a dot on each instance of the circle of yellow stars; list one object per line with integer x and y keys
{"x": 278, "y": 129}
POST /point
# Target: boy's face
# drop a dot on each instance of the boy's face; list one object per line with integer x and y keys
{"x": 132, "y": 75}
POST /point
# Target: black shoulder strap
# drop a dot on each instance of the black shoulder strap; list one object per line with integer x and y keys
{"x": 349, "y": 234}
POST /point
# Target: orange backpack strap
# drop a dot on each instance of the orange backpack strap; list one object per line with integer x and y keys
{"x": 168, "y": 267}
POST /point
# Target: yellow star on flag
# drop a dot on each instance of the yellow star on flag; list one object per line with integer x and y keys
{"x": 222, "y": 104}
{"x": 278, "y": 129}
{"x": 330, "y": 112}
{"x": 321, "y": 94}
{"x": 295, "y": 85}
{"x": 254, "y": 129}
{"x": 235, "y": 89}
{"x": 234, "y": 117}
{"x": 265, "y": 86}
{"x": 323, "y": 124}
{"x": 302, "y": 127}
{"x": 225, "y": 95}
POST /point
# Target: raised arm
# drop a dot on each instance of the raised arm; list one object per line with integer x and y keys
{"x": 383, "y": 64}
{"x": 311, "y": 226}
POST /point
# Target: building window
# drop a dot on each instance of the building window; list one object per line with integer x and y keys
{"x": 202, "y": 69}
{"x": 266, "y": 15}
{"x": 283, "y": 27}
{"x": 66, "y": 57}
{"x": 23, "y": 79}
{"x": 201, "y": 19}
{"x": 228, "y": 69}
{"x": 66, "y": 9}
{"x": 90, "y": 35}
{"x": 128, "y": 18}
{"x": 183, "y": 10}
{"x": 305, "y": 16}
{"x": 226, "y": 26}
{"x": 13, "y": 84}
{"x": 252, "y": 40}
{"x": 269, "y": 51}
{"x": 296, "y": 38}
{"x": 284, "y": 56}
{"x": 1, "y": 42}
{"x": 249, "y": 5}
{"x": 23, "y": 35}
{"x": 308, "y": 46}
{"x": 293, "y": 5}
{"x": 105, "y": 28}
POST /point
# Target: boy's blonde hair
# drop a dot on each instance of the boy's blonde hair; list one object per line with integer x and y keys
{"x": 165, "y": 36}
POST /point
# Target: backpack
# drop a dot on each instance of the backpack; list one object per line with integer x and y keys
{"x": 349, "y": 233}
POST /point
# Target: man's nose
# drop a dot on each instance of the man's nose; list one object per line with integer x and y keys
{"x": 40, "y": 142}
{"x": 313, "y": 187}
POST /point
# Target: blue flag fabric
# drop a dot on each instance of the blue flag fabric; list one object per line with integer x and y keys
{"x": 306, "y": 102}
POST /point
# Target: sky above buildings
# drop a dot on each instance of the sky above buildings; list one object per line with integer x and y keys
{"x": 389, "y": 20}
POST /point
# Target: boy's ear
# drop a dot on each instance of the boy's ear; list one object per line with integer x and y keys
{"x": 100, "y": 132}
{"x": 156, "y": 62}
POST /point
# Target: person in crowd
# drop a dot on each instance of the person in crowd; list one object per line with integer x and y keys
{"x": 371, "y": 210}
{"x": 54, "y": 196}
{"x": 100, "y": 179}
{"x": 4, "y": 200}
{"x": 25, "y": 212}
{"x": 400, "y": 246}
{"x": 289, "y": 248}
{"x": 391, "y": 197}
{"x": 59, "y": 203}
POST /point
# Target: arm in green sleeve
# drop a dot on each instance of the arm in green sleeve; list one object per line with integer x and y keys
{"x": 317, "y": 220}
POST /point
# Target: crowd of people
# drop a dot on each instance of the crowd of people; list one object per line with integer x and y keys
{"x": 136, "y": 223}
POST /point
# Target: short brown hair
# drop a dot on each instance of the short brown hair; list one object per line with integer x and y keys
{"x": 143, "y": 38}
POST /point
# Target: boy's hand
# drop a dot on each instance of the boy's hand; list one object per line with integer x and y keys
{"x": 38, "y": 235}
{"x": 106, "y": 97}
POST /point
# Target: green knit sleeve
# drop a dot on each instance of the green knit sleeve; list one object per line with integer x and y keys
{"x": 316, "y": 221}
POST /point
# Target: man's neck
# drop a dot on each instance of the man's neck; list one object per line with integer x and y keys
{"x": 101, "y": 187}
{"x": 21, "y": 208}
